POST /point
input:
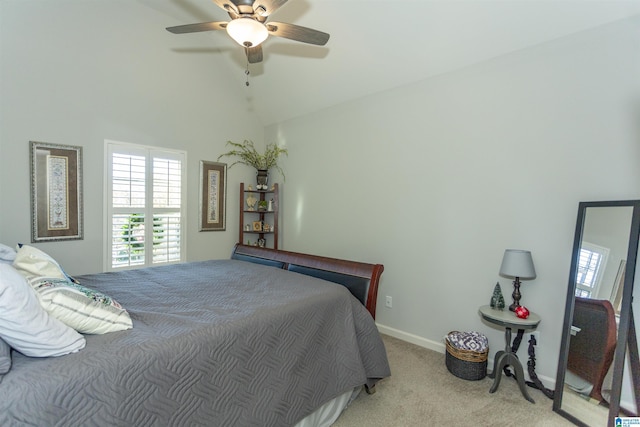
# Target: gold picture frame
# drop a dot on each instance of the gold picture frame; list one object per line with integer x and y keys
{"x": 257, "y": 225}
{"x": 56, "y": 192}
{"x": 213, "y": 196}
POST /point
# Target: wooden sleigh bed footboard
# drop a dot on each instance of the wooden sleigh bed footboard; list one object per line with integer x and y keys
{"x": 362, "y": 279}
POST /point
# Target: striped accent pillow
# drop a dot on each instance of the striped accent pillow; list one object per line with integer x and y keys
{"x": 85, "y": 310}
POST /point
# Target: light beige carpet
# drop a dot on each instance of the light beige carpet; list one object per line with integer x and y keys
{"x": 422, "y": 392}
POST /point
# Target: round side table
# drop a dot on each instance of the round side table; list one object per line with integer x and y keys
{"x": 508, "y": 320}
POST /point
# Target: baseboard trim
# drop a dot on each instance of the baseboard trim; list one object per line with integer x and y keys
{"x": 411, "y": 338}
{"x": 440, "y": 348}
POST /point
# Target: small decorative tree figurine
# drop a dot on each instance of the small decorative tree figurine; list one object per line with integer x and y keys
{"x": 497, "y": 300}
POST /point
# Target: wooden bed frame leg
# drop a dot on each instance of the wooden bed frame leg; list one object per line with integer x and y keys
{"x": 370, "y": 390}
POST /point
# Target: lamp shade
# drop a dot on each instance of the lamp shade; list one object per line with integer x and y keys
{"x": 517, "y": 263}
{"x": 247, "y": 32}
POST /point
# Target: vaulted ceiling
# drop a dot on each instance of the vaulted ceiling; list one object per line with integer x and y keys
{"x": 377, "y": 45}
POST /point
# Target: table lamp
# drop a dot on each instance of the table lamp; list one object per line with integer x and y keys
{"x": 517, "y": 264}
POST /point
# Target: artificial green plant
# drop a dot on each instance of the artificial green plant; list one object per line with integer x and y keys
{"x": 248, "y": 155}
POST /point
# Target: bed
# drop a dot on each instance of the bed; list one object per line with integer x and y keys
{"x": 592, "y": 349}
{"x": 265, "y": 338}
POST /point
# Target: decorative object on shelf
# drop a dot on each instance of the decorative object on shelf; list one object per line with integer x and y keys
{"x": 270, "y": 206}
{"x": 263, "y": 222}
{"x": 251, "y": 202}
{"x": 248, "y": 155}
{"x": 261, "y": 242}
{"x": 522, "y": 312}
{"x": 213, "y": 185}
{"x": 250, "y": 187}
{"x": 517, "y": 264}
{"x": 497, "y": 300}
{"x": 56, "y": 192}
{"x": 247, "y": 227}
{"x": 262, "y": 176}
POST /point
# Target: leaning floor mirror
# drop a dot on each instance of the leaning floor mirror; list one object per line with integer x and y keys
{"x": 598, "y": 375}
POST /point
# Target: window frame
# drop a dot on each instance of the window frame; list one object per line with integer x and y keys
{"x": 149, "y": 153}
{"x": 599, "y": 273}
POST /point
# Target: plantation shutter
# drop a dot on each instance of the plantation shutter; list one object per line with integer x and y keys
{"x": 145, "y": 206}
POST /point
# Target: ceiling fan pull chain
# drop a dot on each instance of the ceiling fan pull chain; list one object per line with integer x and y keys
{"x": 246, "y": 71}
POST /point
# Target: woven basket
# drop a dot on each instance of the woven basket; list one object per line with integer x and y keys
{"x": 466, "y": 364}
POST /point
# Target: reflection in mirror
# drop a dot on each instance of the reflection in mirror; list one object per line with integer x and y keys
{"x": 592, "y": 384}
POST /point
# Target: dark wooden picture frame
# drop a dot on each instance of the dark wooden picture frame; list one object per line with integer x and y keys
{"x": 213, "y": 196}
{"x": 56, "y": 192}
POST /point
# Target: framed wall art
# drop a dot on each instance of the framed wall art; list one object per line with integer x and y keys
{"x": 213, "y": 185}
{"x": 56, "y": 192}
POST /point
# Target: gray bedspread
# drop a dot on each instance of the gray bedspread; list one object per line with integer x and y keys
{"x": 214, "y": 343}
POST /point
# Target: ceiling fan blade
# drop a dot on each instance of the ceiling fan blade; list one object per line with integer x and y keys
{"x": 254, "y": 54}
{"x": 267, "y": 7}
{"x": 297, "y": 33}
{"x": 194, "y": 28}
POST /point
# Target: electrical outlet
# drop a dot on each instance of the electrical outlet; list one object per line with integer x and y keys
{"x": 389, "y": 302}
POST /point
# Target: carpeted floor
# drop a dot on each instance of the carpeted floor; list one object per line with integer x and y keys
{"x": 422, "y": 392}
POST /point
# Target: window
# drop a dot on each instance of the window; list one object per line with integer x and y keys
{"x": 591, "y": 265}
{"x": 145, "y": 201}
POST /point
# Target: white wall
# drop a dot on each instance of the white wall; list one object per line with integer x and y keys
{"x": 79, "y": 72}
{"x": 435, "y": 180}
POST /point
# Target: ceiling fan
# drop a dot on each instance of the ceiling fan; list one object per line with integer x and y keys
{"x": 248, "y": 26}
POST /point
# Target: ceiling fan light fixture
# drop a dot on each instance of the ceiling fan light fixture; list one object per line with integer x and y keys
{"x": 247, "y": 32}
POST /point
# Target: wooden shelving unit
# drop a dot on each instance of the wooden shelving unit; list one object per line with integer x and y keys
{"x": 259, "y": 227}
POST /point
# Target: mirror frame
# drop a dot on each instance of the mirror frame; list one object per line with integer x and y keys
{"x": 626, "y": 314}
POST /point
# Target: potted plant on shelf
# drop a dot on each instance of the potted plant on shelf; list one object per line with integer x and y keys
{"x": 248, "y": 155}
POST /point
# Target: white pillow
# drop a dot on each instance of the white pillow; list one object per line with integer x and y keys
{"x": 31, "y": 261}
{"x": 7, "y": 254}
{"x": 85, "y": 310}
{"x": 26, "y": 326}
{"x": 5, "y": 358}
